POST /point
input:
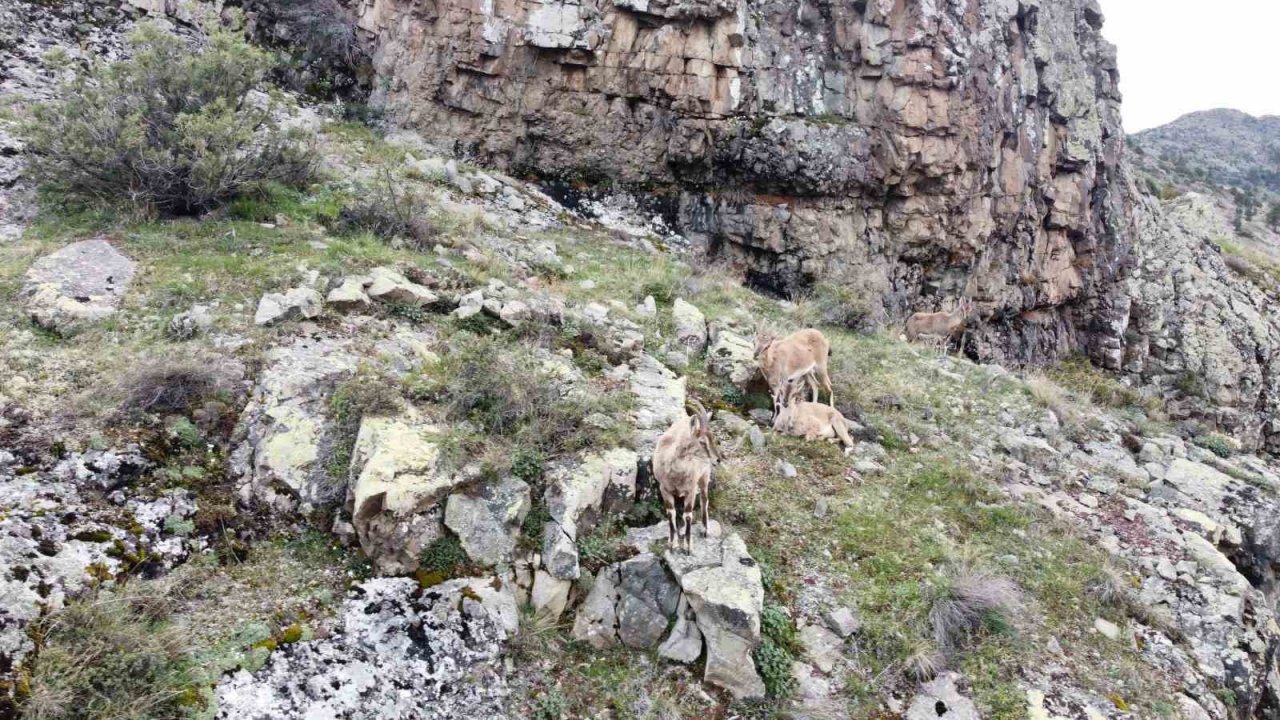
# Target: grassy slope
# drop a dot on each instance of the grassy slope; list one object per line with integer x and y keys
{"x": 886, "y": 546}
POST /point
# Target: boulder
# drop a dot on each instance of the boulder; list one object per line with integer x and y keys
{"x": 78, "y": 285}
{"x": 296, "y": 304}
{"x": 821, "y": 647}
{"x": 396, "y": 490}
{"x": 631, "y": 602}
{"x": 722, "y": 583}
{"x": 577, "y": 494}
{"x": 387, "y": 285}
{"x": 549, "y": 595}
{"x": 397, "y": 651}
{"x": 842, "y": 621}
{"x": 691, "y": 326}
{"x": 732, "y": 357}
{"x": 684, "y": 644}
{"x": 487, "y": 519}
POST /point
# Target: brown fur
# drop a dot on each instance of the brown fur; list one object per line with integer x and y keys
{"x": 813, "y": 421}
{"x": 940, "y": 324}
{"x": 683, "y": 461}
{"x": 802, "y": 354}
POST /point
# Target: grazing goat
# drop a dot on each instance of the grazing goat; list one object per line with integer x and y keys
{"x": 812, "y": 421}
{"x": 683, "y": 460}
{"x": 799, "y": 355}
{"x": 943, "y": 325}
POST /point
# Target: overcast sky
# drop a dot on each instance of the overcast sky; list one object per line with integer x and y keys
{"x": 1178, "y": 56}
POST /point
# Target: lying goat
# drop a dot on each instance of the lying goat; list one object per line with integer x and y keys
{"x": 683, "y": 461}
{"x": 944, "y": 325}
{"x": 811, "y": 420}
{"x": 800, "y": 355}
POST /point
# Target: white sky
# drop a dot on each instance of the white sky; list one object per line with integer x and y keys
{"x": 1178, "y": 56}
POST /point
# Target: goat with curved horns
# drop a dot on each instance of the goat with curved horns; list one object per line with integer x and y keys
{"x": 800, "y": 355}
{"x": 944, "y": 325}
{"x": 683, "y": 461}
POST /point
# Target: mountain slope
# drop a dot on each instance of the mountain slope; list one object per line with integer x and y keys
{"x": 1224, "y": 147}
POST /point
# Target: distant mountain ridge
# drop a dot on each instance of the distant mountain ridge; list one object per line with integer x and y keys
{"x": 1222, "y": 146}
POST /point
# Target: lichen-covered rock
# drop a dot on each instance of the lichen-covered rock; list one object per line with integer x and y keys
{"x": 388, "y": 285}
{"x": 80, "y": 284}
{"x": 487, "y": 519}
{"x": 283, "y": 431}
{"x": 659, "y": 401}
{"x": 397, "y": 652}
{"x": 349, "y": 296}
{"x": 732, "y": 356}
{"x": 577, "y": 493}
{"x": 941, "y": 697}
{"x": 398, "y": 486}
{"x": 691, "y": 326}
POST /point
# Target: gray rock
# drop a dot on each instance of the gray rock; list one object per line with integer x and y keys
{"x": 684, "y": 644}
{"x": 786, "y": 469}
{"x": 1106, "y": 628}
{"x": 821, "y": 647}
{"x": 577, "y": 494}
{"x": 349, "y": 296}
{"x": 648, "y": 308}
{"x": 649, "y": 597}
{"x": 659, "y": 400}
{"x": 80, "y": 284}
{"x": 723, "y": 585}
{"x": 756, "y": 437}
{"x": 514, "y": 313}
{"x": 487, "y": 519}
{"x": 301, "y": 303}
{"x": 388, "y": 285}
{"x": 842, "y": 621}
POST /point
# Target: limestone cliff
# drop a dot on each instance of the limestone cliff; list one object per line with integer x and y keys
{"x": 911, "y": 151}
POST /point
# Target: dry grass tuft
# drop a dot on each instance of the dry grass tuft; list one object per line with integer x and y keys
{"x": 1051, "y": 395}
{"x": 172, "y": 387}
{"x": 971, "y": 603}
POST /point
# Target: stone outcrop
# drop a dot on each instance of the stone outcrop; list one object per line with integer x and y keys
{"x": 397, "y": 489}
{"x": 577, "y": 494}
{"x": 487, "y": 519}
{"x": 78, "y": 285}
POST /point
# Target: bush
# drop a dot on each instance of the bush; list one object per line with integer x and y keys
{"x": 320, "y": 35}
{"x": 113, "y": 656}
{"x": 774, "y": 655}
{"x": 1218, "y": 444}
{"x": 170, "y": 388}
{"x": 508, "y": 392}
{"x": 171, "y": 129}
{"x": 390, "y": 215}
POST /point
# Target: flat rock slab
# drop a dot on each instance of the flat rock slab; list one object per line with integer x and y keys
{"x": 82, "y": 283}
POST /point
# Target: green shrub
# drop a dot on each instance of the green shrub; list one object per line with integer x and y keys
{"x": 391, "y": 215}
{"x": 112, "y": 656}
{"x": 1218, "y": 444}
{"x": 171, "y": 129}
{"x": 774, "y": 654}
{"x": 320, "y": 36}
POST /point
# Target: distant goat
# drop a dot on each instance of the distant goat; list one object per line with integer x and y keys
{"x": 683, "y": 460}
{"x": 812, "y": 421}
{"x": 800, "y": 355}
{"x": 945, "y": 325}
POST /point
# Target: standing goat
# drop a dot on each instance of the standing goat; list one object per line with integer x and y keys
{"x": 943, "y": 325}
{"x": 683, "y": 461}
{"x": 800, "y": 355}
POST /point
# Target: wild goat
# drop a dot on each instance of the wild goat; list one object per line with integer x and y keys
{"x": 799, "y": 355}
{"x": 940, "y": 324}
{"x": 811, "y": 421}
{"x": 683, "y": 461}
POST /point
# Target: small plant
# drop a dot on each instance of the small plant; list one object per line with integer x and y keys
{"x": 366, "y": 393}
{"x": 391, "y": 215}
{"x": 443, "y": 555}
{"x": 528, "y": 464}
{"x": 1218, "y": 444}
{"x": 112, "y": 655}
{"x": 172, "y": 129}
{"x": 775, "y": 652}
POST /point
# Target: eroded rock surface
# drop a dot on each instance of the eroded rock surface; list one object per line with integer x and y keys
{"x": 78, "y": 285}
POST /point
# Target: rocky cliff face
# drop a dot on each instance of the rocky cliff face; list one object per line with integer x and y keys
{"x": 916, "y": 151}
{"x": 911, "y": 152}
